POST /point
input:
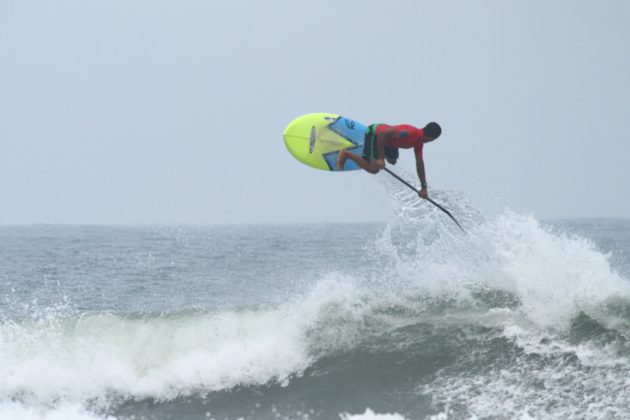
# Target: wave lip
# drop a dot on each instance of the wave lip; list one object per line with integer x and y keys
{"x": 555, "y": 275}
{"x": 166, "y": 357}
{"x": 160, "y": 358}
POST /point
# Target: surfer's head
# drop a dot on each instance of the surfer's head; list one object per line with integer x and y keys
{"x": 431, "y": 131}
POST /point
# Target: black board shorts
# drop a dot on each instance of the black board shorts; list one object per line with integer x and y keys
{"x": 370, "y": 147}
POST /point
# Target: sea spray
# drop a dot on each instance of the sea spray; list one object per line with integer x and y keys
{"x": 514, "y": 319}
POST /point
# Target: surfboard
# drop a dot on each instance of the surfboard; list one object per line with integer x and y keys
{"x": 316, "y": 139}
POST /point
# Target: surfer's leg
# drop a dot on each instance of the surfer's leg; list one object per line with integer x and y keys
{"x": 370, "y": 166}
{"x": 341, "y": 159}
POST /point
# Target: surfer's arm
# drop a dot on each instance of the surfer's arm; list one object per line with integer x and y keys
{"x": 422, "y": 176}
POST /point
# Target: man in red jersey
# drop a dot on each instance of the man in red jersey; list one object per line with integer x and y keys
{"x": 382, "y": 142}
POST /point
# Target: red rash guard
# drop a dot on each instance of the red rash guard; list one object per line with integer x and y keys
{"x": 407, "y": 136}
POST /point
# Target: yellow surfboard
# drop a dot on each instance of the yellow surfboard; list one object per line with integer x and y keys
{"x": 316, "y": 139}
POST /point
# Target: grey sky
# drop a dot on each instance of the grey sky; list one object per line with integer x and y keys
{"x": 163, "y": 112}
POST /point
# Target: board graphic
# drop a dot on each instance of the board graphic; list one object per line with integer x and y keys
{"x": 316, "y": 139}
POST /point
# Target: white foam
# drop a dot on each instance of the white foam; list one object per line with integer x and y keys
{"x": 553, "y": 275}
{"x": 559, "y": 389}
{"x": 371, "y": 415}
{"x": 65, "y": 411}
{"x": 167, "y": 357}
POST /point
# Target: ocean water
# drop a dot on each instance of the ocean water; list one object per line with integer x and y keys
{"x": 408, "y": 319}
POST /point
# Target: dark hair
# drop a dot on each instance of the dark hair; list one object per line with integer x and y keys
{"x": 432, "y": 130}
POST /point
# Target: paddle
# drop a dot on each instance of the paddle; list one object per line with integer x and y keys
{"x": 428, "y": 199}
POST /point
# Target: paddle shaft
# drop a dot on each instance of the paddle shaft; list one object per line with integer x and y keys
{"x": 427, "y": 198}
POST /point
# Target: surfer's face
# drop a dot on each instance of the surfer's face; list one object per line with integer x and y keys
{"x": 390, "y": 160}
{"x": 427, "y": 139}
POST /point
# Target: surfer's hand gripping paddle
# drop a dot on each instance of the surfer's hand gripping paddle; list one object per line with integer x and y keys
{"x": 427, "y": 198}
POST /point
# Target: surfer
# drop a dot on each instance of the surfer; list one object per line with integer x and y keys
{"x": 382, "y": 142}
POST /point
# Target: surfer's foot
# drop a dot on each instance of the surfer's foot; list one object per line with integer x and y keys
{"x": 341, "y": 160}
